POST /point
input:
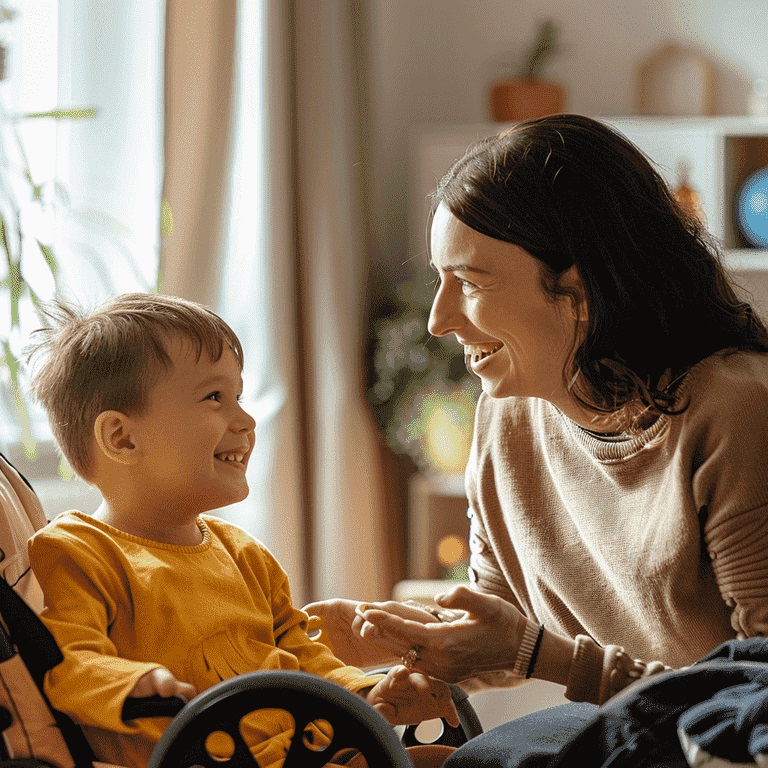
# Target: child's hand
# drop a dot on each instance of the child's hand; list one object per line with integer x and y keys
{"x": 407, "y": 698}
{"x": 161, "y": 682}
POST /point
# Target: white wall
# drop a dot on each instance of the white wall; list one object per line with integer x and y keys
{"x": 430, "y": 62}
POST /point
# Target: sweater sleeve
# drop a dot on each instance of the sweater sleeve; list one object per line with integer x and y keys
{"x": 92, "y": 682}
{"x": 730, "y": 486}
{"x": 290, "y": 630}
{"x": 738, "y": 548}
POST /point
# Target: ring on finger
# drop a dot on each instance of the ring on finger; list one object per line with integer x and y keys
{"x": 410, "y": 657}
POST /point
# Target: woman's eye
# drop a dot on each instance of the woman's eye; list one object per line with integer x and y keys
{"x": 239, "y": 398}
{"x": 216, "y": 396}
{"x": 465, "y": 285}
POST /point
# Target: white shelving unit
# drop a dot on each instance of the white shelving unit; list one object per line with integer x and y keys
{"x": 719, "y": 151}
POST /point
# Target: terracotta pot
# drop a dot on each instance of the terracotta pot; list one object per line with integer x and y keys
{"x": 523, "y": 98}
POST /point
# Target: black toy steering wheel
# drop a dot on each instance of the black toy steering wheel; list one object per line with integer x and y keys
{"x": 305, "y": 697}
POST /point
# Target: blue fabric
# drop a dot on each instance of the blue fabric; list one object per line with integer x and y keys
{"x": 721, "y": 702}
{"x": 527, "y": 742}
{"x": 733, "y": 724}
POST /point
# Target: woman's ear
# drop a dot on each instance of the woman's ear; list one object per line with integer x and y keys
{"x": 571, "y": 280}
{"x": 113, "y": 436}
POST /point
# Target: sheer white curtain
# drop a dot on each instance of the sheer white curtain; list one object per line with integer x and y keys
{"x": 258, "y": 287}
{"x": 111, "y": 58}
{"x": 293, "y": 277}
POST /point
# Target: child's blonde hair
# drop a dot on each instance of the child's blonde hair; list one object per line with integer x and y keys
{"x": 108, "y": 358}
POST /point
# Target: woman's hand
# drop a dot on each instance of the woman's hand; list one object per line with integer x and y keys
{"x": 341, "y": 624}
{"x": 484, "y": 638}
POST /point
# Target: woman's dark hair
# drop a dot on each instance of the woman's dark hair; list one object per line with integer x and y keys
{"x": 571, "y": 190}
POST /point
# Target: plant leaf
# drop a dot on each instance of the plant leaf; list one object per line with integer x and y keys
{"x": 4, "y": 239}
{"x": 65, "y": 472}
{"x": 15, "y": 283}
{"x": 166, "y": 219}
{"x": 28, "y": 443}
{"x": 73, "y": 113}
{"x": 49, "y": 257}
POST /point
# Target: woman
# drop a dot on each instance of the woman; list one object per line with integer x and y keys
{"x": 618, "y": 485}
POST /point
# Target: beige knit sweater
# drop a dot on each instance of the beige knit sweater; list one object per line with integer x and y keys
{"x": 657, "y": 543}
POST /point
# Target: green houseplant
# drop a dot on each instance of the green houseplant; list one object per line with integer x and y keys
{"x": 527, "y": 93}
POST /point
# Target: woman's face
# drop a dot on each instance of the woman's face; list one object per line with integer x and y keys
{"x": 516, "y": 337}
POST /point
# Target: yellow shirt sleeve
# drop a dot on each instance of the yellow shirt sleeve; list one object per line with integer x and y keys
{"x": 92, "y": 682}
{"x": 290, "y": 629}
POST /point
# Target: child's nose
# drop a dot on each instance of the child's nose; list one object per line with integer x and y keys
{"x": 245, "y": 422}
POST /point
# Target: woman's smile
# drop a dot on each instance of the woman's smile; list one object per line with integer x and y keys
{"x": 476, "y": 357}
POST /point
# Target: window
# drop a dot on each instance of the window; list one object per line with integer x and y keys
{"x": 103, "y": 175}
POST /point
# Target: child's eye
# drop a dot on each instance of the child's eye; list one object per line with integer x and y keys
{"x": 240, "y": 398}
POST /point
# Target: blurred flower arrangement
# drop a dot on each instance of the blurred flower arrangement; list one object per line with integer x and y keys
{"x": 422, "y": 394}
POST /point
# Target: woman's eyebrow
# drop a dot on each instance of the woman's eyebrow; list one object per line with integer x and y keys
{"x": 460, "y": 268}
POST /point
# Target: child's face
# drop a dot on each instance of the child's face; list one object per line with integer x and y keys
{"x": 193, "y": 438}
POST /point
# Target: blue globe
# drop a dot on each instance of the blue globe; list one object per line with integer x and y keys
{"x": 752, "y": 208}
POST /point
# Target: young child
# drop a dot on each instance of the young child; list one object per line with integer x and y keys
{"x": 150, "y": 595}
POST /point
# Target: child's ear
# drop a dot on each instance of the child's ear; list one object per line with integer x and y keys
{"x": 113, "y": 436}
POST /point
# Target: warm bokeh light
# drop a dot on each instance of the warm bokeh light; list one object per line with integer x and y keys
{"x": 451, "y": 550}
{"x": 444, "y": 424}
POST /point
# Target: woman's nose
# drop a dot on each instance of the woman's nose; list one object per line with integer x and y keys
{"x": 443, "y": 315}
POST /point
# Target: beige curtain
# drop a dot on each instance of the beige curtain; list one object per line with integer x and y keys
{"x": 199, "y": 66}
{"x": 297, "y": 297}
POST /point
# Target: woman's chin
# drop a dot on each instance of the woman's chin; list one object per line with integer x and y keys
{"x": 496, "y": 389}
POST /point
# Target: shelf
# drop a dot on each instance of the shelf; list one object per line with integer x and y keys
{"x": 746, "y": 259}
{"x": 721, "y": 153}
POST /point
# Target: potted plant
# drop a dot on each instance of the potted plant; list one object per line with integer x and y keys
{"x": 529, "y": 94}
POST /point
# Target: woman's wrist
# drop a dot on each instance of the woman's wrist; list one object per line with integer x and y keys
{"x": 553, "y": 660}
{"x": 525, "y": 647}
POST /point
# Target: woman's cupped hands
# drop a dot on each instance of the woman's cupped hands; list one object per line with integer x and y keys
{"x": 469, "y": 635}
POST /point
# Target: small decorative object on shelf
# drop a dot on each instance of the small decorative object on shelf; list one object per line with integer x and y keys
{"x": 688, "y": 198}
{"x": 752, "y": 208}
{"x": 758, "y": 98}
{"x": 529, "y": 95}
{"x": 675, "y": 80}
{"x": 422, "y": 394}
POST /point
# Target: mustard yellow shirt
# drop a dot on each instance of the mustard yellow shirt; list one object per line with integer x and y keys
{"x": 119, "y": 606}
